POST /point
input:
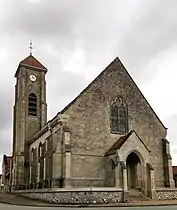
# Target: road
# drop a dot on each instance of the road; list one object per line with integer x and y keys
{"x": 9, "y": 207}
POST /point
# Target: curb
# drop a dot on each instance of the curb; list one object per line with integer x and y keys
{"x": 92, "y": 205}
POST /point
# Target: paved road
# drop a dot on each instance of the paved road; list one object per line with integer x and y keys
{"x": 9, "y": 207}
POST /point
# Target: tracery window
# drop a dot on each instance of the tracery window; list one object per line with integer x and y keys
{"x": 114, "y": 116}
{"x": 119, "y": 116}
{"x": 32, "y": 105}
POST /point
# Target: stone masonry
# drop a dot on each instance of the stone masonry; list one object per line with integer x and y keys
{"x": 79, "y": 196}
{"x": 78, "y": 147}
{"x": 89, "y": 123}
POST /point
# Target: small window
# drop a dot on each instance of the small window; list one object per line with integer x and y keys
{"x": 46, "y": 145}
{"x": 32, "y": 155}
{"x": 32, "y": 105}
{"x": 40, "y": 150}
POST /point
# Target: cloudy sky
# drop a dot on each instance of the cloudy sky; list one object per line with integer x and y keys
{"x": 77, "y": 39}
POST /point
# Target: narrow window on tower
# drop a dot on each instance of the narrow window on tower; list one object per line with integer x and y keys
{"x": 32, "y": 105}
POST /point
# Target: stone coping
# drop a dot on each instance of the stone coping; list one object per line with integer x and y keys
{"x": 166, "y": 189}
{"x": 55, "y": 190}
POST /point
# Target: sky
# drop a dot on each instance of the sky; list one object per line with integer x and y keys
{"x": 77, "y": 39}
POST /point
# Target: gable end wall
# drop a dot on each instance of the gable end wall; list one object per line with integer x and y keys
{"x": 89, "y": 122}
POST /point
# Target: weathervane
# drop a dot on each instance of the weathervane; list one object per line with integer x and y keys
{"x": 31, "y": 47}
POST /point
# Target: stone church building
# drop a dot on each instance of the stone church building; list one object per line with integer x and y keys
{"x": 108, "y": 136}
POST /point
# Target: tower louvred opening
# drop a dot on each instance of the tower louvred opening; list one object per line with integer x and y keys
{"x": 32, "y": 105}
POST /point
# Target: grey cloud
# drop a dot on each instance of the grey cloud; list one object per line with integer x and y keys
{"x": 152, "y": 30}
{"x": 62, "y": 87}
{"x": 171, "y": 122}
{"x": 90, "y": 24}
{"x": 6, "y": 140}
{"x": 41, "y": 18}
{"x": 101, "y": 29}
{"x": 98, "y": 26}
{"x": 5, "y": 143}
{"x": 6, "y": 105}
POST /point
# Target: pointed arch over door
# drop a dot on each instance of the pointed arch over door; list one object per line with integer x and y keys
{"x": 134, "y": 170}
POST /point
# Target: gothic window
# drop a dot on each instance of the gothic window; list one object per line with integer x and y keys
{"x": 32, "y": 105}
{"x": 119, "y": 117}
{"x": 122, "y": 118}
{"x": 114, "y": 116}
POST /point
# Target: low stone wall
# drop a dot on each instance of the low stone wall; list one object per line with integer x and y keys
{"x": 167, "y": 194}
{"x": 75, "y": 196}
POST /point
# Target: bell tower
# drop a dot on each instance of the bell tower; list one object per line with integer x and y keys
{"x": 30, "y": 114}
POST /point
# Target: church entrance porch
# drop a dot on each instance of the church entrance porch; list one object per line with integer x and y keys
{"x": 134, "y": 172}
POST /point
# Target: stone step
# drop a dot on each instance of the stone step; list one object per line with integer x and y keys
{"x": 137, "y": 199}
{"x": 137, "y": 195}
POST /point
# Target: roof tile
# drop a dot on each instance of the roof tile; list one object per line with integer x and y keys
{"x": 33, "y": 62}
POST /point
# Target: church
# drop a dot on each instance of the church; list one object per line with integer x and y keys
{"x": 108, "y": 136}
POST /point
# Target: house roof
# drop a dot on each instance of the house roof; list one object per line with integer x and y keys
{"x": 31, "y": 61}
{"x": 175, "y": 170}
{"x": 6, "y": 164}
{"x": 6, "y": 160}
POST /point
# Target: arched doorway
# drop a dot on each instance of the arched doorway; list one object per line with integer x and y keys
{"x": 134, "y": 171}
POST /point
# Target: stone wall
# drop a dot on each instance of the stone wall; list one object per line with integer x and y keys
{"x": 75, "y": 196}
{"x": 86, "y": 182}
{"x": 88, "y": 195}
{"x": 166, "y": 194}
{"x": 89, "y": 123}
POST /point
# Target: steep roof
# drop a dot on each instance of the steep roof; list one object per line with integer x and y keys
{"x": 115, "y": 61}
{"x": 32, "y": 62}
{"x": 121, "y": 140}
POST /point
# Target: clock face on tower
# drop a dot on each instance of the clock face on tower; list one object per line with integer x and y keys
{"x": 32, "y": 78}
